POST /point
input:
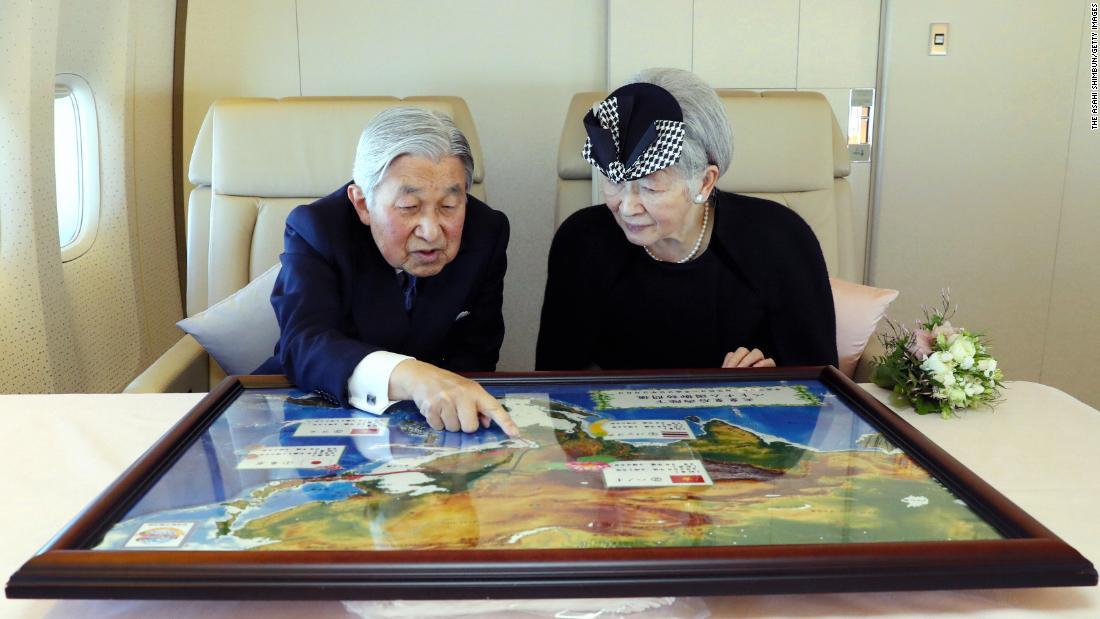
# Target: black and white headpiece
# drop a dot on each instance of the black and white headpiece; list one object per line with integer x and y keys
{"x": 635, "y": 131}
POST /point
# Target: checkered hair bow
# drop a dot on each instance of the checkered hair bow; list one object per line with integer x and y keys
{"x": 635, "y": 131}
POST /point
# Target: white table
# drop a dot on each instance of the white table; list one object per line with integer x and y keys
{"x": 1041, "y": 448}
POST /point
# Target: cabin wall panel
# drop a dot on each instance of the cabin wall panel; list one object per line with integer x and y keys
{"x": 34, "y": 313}
{"x": 100, "y": 285}
{"x": 837, "y": 44}
{"x": 123, "y": 293}
{"x": 1073, "y": 328}
{"x": 89, "y": 324}
{"x": 973, "y": 165}
{"x": 647, "y": 33}
{"x": 243, "y": 48}
{"x": 746, "y": 44}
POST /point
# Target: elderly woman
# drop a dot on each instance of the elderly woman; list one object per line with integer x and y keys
{"x": 671, "y": 272}
{"x": 394, "y": 282}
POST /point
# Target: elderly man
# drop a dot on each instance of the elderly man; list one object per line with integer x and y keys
{"x": 395, "y": 281}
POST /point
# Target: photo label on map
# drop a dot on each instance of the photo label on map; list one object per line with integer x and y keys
{"x": 647, "y": 473}
{"x": 160, "y": 535}
{"x": 341, "y": 426}
{"x": 300, "y": 457}
{"x": 633, "y": 429}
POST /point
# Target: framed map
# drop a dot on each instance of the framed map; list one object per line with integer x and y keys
{"x": 672, "y": 483}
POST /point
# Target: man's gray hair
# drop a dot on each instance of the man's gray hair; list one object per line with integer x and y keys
{"x": 407, "y": 131}
{"x": 708, "y": 138}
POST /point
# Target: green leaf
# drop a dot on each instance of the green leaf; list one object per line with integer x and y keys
{"x": 884, "y": 376}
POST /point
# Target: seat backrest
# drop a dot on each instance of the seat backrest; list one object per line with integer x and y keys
{"x": 787, "y": 147}
{"x": 256, "y": 159}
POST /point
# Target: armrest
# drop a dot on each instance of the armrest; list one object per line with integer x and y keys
{"x": 185, "y": 367}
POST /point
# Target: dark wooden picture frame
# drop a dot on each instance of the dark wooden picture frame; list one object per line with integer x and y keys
{"x": 1029, "y": 556}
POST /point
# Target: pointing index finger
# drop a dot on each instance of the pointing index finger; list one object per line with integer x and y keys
{"x": 492, "y": 408}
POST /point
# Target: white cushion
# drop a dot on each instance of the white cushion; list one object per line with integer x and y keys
{"x": 239, "y": 332}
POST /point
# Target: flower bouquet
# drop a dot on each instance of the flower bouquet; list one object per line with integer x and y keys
{"x": 937, "y": 368}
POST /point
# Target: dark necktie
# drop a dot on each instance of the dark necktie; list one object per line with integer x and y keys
{"x": 408, "y": 288}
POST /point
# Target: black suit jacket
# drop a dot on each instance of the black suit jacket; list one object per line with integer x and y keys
{"x": 337, "y": 300}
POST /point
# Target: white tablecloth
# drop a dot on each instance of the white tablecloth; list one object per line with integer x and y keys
{"x": 1041, "y": 448}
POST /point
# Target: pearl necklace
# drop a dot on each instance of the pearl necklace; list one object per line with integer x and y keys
{"x": 698, "y": 241}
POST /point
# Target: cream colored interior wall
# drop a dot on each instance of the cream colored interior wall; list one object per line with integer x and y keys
{"x": 34, "y": 328}
{"x": 828, "y": 46}
{"x": 1072, "y": 330}
{"x": 100, "y": 285}
{"x": 975, "y": 148}
{"x": 92, "y": 323}
{"x": 517, "y": 64}
{"x": 745, "y": 43}
{"x": 647, "y": 33}
{"x": 243, "y": 48}
{"x": 123, "y": 293}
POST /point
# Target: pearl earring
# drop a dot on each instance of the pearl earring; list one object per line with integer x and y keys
{"x": 699, "y": 198}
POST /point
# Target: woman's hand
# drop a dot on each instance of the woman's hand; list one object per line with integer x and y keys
{"x": 745, "y": 358}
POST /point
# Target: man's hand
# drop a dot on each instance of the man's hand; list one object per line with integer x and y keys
{"x": 446, "y": 399}
{"x": 745, "y": 358}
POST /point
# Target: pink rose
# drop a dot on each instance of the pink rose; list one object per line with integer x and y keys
{"x": 921, "y": 343}
{"x": 945, "y": 329}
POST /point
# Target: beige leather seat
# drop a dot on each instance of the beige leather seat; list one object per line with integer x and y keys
{"x": 254, "y": 160}
{"x": 787, "y": 147}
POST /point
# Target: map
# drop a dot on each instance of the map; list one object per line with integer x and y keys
{"x": 690, "y": 463}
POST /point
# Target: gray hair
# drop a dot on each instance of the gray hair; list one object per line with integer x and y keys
{"x": 708, "y": 138}
{"x": 407, "y": 131}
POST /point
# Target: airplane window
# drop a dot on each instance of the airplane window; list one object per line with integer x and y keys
{"x": 66, "y": 145}
{"x": 76, "y": 165}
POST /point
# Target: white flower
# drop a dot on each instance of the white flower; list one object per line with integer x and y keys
{"x": 933, "y": 364}
{"x": 987, "y": 366}
{"x": 973, "y": 389}
{"x": 946, "y": 379}
{"x": 956, "y": 396}
{"x": 962, "y": 348}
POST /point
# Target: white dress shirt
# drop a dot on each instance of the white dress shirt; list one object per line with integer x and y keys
{"x": 369, "y": 384}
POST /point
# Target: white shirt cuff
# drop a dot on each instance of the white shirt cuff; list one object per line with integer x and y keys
{"x": 369, "y": 385}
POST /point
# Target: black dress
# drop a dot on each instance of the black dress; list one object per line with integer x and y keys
{"x": 761, "y": 283}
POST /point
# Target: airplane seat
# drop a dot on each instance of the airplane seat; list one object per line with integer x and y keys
{"x": 254, "y": 160}
{"x": 787, "y": 147}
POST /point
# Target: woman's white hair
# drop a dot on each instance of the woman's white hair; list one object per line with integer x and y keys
{"x": 407, "y": 131}
{"x": 708, "y": 138}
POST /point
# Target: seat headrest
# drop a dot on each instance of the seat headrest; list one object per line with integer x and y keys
{"x": 300, "y": 146}
{"x": 782, "y": 142}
